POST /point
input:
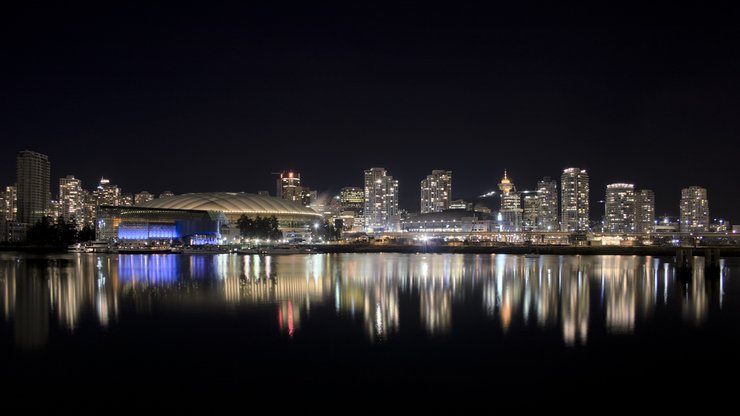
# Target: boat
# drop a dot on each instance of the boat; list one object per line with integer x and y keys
{"x": 250, "y": 250}
{"x": 97, "y": 246}
{"x": 76, "y": 248}
{"x": 204, "y": 250}
{"x": 286, "y": 249}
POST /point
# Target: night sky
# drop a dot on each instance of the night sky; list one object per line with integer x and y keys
{"x": 214, "y": 98}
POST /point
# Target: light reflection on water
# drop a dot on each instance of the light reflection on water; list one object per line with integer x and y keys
{"x": 385, "y": 293}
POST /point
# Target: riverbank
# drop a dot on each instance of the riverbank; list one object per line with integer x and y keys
{"x": 556, "y": 250}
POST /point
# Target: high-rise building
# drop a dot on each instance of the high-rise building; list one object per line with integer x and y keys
{"x": 620, "y": 208}
{"x": 71, "y": 198}
{"x": 352, "y": 199}
{"x": 166, "y": 194}
{"x": 529, "y": 216}
{"x": 694, "y": 210}
{"x": 89, "y": 207}
{"x": 547, "y": 205}
{"x": 381, "y": 200}
{"x": 574, "y": 191}
{"x": 142, "y": 197}
{"x": 107, "y": 193}
{"x": 511, "y": 206}
{"x": 645, "y": 211}
{"x": 287, "y": 182}
{"x": 9, "y": 203}
{"x": 289, "y": 188}
{"x": 436, "y": 191}
{"x": 33, "y": 186}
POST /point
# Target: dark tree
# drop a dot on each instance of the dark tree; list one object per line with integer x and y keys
{"x": 87, "y": 233}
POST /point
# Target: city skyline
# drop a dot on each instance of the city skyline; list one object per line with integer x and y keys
{"x": 474, "y": 93}
{"x": 636, "y": 213}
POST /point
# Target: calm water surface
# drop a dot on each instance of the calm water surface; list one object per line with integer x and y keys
{"x": 454, "y": 328}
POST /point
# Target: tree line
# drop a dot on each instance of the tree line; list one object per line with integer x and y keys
{"x": 259, "y": 227}
{"x": 59, "y": 233}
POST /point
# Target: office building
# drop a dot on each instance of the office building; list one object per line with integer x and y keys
{"x": 381, "y": 200}
{"x": 694, "y": 210}
{"x": 645, "y": 211}
{"x": 166, "y": 194}
{"x": 620, "y": 208}
{"x": 547, "y": 205}
{"x": 71, "y": 198}
{"x": 436, "y": 191}
{"x": 529, "y": 215}
{"x": 574, "y": 194}
{"x": 33, "y": 186}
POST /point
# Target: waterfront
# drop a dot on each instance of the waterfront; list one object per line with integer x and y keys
{"x": 466, "y": 323}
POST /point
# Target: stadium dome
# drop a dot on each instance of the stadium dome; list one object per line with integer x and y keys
{"x": 235, "y": 204}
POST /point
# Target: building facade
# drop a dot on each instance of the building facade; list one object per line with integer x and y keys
{"x": 436, "y": 190}
{"x": 574, "y": 204}
{"x": 33, "y": 186}
{"x": 645, "y": 211}
{"x": 381, "y": 200}
{"x": 71, "y": 198}
{"x": 694, "y": 210}
{"x": 547, "y": 205}
{"x": 620, "y": 208}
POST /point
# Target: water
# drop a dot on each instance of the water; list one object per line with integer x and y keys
{"x": 457, "y": 329}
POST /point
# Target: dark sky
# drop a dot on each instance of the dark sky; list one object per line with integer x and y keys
{"x": 211, "y": 97}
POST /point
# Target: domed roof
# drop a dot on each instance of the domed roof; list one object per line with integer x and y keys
{"x": 231, "y": 203}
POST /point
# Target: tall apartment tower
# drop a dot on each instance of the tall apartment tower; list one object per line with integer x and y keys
{"x": 547, "y": 205}
{"x": 71, "y": 198}
{"x": 574, "y": 191}
{"x": 381, "y": 199}
{"x": 645, "y": 211}
{"x": 694, "y": 210}
{"x": 620, "y": 208}
{"x": 436, "y": 191}
{"x": 33, "y": 186}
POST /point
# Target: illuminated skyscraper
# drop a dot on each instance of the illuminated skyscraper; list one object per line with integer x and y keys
{"x": 107, "y": 193}
{"x": 33, "y": 186}
{"x": 142, "y": 197}
{"x": 645, "y": 211}
{"x": 511, "y": 206}
{"x": 289, "y": 188}
{"x": 547, "y": 205}
{"x": 436, "y": 191}
{"x": 286, "y": 184}
{"x": 620, "y": 208}
{"x": 381, "y": 199}
{"x": 166, "y": 194}
{"x": 71, "y": 198}
{"x": 694, "y": 210}
{"x": 574, "y": 191}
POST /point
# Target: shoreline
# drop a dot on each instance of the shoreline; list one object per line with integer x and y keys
{"x": 549, "y": 250}
{"x": 725, "y": 251}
